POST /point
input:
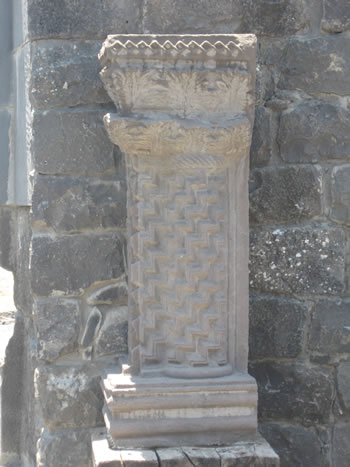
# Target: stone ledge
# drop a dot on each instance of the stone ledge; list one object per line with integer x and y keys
{"x": 253, "y": 452}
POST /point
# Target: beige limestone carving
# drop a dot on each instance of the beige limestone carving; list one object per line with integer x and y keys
{"x": 185, "y": 113}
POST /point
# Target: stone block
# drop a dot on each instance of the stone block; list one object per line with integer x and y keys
{"x": 296, "y": 445}
{"x": 203, "y": 457}
{"x": 72, "y": 143}
{"x": 70, "y": 397}
{"x": 65, "y": 74}
{"x": 135, "y": 458}
{"x": 293, "y": 391}
{"x": 297, "y": 260}
{"x": 266, "y": 18}
{"x": 102, "y": 454}
{"x": 81, "y": 19}
{"x": 7, "y": 238}
{"x": 173, "y": 458}
{"x": 67, "y": 448}
{"x": 5, "y": 120}
{"x": 330, "y": 327}
{"x": 57, "y": 327}
{"x": 340, "y": 194}
{"x": 343, "y": 383}
{"x": 262, "y": 142}
{"x": 69, "y": 264}
{"x": 285, "y": 194}
{"x": 22, "y": 281}
{"x": 317, "y": 65}
{"x": 276, "y": 327}
{"x": 67, "y": 204}
{"x": 256, "y": 452}
{"x": 314, "y": 131}
{"x": 112, "y": 337}
{"x": 336, "y": 16}
{"x": 341, "y": 445}
{"x": 195, "y": 17}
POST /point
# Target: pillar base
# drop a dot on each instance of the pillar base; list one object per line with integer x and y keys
{"x": 254, "y": 451}
{"x": 162, "y": 411}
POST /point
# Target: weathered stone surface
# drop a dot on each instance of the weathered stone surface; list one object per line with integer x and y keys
{"x": 68, "y": 204}
{"x": 294, "y": 392}
{"x": 112, "y": 337}
{"x": 343, "y": 383}
{"x": 68, "y": 448}
{"x": 116, "y": 292}
{"x": 81, "y": 19}
{"x": 296, "y": 445}
{"x": 261, "y": 149}
{"x": 297, "y": 260}
{"x": 65, "y": 74}
{"x": 69, "y": 264}
{"x": 70, "y": 397}
{"x": 57, "y": 326}
{"x": 7, "y": 238}
{"x": 173, "y": 458}
{"x": 240, "y": 16}
{"x": 203, "y": 457}
{"x": 256, "y": 452}
{"x": 341, "y": 445}
{"x": 340, "y": 192}
{"x": 266, "y": 18}
{"x": 286, "y": 194}
{"x": 330, "y": 327}
{"x": 317, "y": 65}
{"x": 197, "y": 16}
{"x": 138, "y": 458}
{"x": 22, "y": 280}
{"x": 314, "y": 131}
{"x": 72, "y": 143}
{"x": 336, "y": 16}
{"x": 276, "y": 327}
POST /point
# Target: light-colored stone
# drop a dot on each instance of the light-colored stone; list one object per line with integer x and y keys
{"x": 186, "y": 111}
{"x": 102, "y": 454}
{"x": 253, "y": 451}
{"x": 135, "y": 458}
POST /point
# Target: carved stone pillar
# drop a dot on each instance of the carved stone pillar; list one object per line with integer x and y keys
{"x": 185, "y": 116}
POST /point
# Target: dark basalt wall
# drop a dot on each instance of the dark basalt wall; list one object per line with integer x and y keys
{"x": 66, "y": 244}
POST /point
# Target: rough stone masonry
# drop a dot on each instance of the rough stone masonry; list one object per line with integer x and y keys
{"x": 63, "y": 213}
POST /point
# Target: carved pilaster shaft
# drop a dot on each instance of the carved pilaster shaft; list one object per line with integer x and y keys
{"x": 185, "y": 120}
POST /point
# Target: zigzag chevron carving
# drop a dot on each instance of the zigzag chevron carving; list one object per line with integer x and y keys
{"x": 178, "y": 268}
{"x": 169, "y": 46}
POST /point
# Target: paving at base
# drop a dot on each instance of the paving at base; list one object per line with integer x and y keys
{"x": 254, "y": 453}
